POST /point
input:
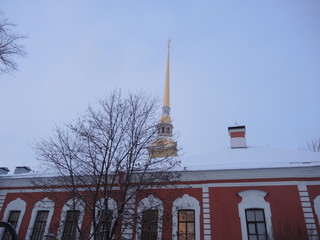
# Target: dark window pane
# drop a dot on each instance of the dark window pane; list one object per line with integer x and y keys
{"x": 70, "y": 227}
{"x": 39, "y": 225}
{"x": 259, "y": 215}
{"x": 103, "y": 224}
{"x": 250, "y": 215}
{"x": 13, "y": 220}
{"x": 252, "y": 228}
{"x": 261, "y": 228}
{"x": 149, "y": 225}
{"x": 256, "y": 225}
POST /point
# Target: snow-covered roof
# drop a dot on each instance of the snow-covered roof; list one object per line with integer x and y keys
{"x": 250, "y": 158}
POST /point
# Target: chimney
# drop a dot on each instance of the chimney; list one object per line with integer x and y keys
{"x": 238, "y": 136}
{"x": 23, "y": 169}
{"x": 4, "y": 170}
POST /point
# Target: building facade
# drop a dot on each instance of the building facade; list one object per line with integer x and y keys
{"x": 223, "y": 204}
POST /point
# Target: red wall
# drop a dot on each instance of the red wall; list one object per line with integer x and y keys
{"x": 284, "y": 201}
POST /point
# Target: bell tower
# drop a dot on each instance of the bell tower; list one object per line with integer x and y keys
{"x": 163, "y": 145}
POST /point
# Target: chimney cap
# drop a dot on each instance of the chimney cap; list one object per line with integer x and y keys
{"x": 237, "y": 127}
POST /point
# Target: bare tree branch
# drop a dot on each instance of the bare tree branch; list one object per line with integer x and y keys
{"x": 10, "y": 46}
{"x": 313, "y": 145}
{"x": 105, "y": 152}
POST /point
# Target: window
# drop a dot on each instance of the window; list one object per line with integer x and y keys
{"x": 191, "y": 207}
{"x": 13, "y": 220}
{"x": 150, "y": 217}
{"x": 149, "y": 225}
{"x": 40, "y": 219}
{"x": 186, "y": 225}
{"x": 70, "y": 227}
{"x": 254, "y": 206}
{"x": 256, "y": 224}
{"x": 39, "y": 225}
{"x": 104, "y": 224}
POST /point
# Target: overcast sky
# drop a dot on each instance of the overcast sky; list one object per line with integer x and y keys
{"x": 256, "y": 63}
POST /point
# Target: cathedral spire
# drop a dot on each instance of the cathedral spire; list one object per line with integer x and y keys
{"x": 163, "y": 145}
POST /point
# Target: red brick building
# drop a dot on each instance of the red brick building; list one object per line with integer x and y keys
{"x": 246, "y": 193}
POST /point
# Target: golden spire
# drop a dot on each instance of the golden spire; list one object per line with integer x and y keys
{"x": 166, "y": 99}
{"x": 164, "y": 145}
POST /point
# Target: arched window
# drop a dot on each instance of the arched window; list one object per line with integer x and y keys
{"x": 40, "y": 219}
{"x": 104, "y": 218}
{"x": 150, "y": 214}
{"x": 71, "y": 219}
{"x": 13, "y": 214}
{"x": 255, "y": 214}
{"x": 186, "y": 218}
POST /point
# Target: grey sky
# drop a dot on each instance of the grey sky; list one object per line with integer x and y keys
{"x": 254, "y": 62}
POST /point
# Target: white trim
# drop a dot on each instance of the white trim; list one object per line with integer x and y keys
{"x": 185, "y": 202}
{"x": 201, "y": 185}
{"x": 150, "y": 203}
{"x": 253, "y": 199}
{"x": 43, "y": 205}
{"x": 206, "y": 213}
{"x": 316, "y": 206}
{"x": 15, "y": 205}
{"x": 307, "y": 214}
{"x": 72, "y": 204}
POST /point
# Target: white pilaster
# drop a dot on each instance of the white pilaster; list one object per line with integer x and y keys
{"x": 308, "y": 215}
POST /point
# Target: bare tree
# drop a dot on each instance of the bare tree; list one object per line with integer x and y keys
{"x": 313, "y": 145}
{"x": 102, "y": 157}
{"x": 289, "y": 230}
{"x": 10, "y": 45}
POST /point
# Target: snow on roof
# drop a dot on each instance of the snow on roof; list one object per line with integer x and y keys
{"x": 250, "y": 158}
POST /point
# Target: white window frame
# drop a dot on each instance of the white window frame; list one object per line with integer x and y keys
{"x": 69, "y": 206}
{"x": 43, "y": 205}
{"x": 15, "y": 205}
{"x": 253, "y": 199}
{"x": 150, "y": 203}
{"x": 188, "y": 203}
